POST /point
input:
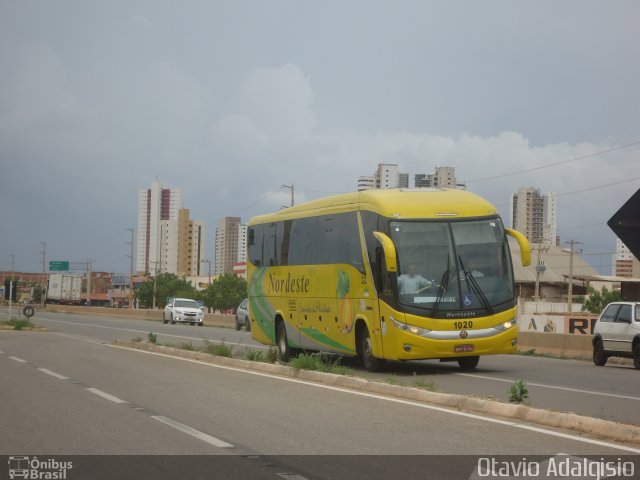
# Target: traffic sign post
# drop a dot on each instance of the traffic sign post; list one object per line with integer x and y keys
{"x": 58, "y": 266}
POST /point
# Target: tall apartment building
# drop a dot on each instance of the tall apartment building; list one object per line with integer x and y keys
{"x": 227, "y": 238}
{"x": 155, "y": 204}
{"x": 442, "y": 177}
{"x": 386, "y": 176}
{"x": 182, "y": 245}
{"x": 535, "y": 215}
{"x": 242, "y": 243}
{"x": 626, "y": 264}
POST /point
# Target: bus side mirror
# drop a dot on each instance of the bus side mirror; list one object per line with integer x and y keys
{"x": 389, "y": 251}
{"x": 525, "y": 246}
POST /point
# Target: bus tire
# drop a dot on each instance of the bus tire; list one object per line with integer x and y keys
{"x": 284, "y": 350}
{"x": 365, "y": 351}
{"x": 469, "y": 363}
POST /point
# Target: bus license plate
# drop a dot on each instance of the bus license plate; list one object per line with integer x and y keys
{"x": 467, "y": 347}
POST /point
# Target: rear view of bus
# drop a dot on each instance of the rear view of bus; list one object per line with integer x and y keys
{"x": 435, "y": 280}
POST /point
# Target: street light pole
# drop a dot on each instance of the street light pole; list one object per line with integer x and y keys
{"x": 292, "y": 188}
{"x": 44, "y": 256}
{"x": 131, "y": 270}
{"x": 540, "y": 268}
{"x": 570, "y": 288}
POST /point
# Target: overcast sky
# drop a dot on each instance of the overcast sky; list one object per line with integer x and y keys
{"x": 228, "y": 100}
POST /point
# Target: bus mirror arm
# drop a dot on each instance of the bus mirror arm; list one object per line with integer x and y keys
{"x": 525, "y": 246}
{"x": 389, "y": 251}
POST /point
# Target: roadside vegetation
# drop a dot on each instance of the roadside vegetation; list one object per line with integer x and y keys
{"x": 224, "y": 293}
{"x": 518, "y": 392}
{"x": 16, "y": 324}
{"x": 596, "y": 301}
{"x": 304, "y": 361}
{"x": 320, "y": 363}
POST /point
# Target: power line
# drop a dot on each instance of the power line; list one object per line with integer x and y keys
{"x": 597, "y": 187}
{"x": 549, "y": 165}
{"x": 589, "y": 189}
{"x": 266, "y": 195}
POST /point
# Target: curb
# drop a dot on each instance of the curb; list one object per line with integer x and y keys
{"x": 603, "y": 429}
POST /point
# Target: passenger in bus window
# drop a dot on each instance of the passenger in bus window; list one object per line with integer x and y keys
{"x": 412, "y": 282}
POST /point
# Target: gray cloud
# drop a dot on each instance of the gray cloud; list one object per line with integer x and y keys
{"x": 97, "y": 100}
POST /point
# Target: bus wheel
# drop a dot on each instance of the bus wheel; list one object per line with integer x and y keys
{"x": 365, "y": 352}
{"x": 468, "y": 363}
{"x": 284, "y": 350}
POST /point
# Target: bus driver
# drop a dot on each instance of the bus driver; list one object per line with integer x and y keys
{"x": 411, "y": 282}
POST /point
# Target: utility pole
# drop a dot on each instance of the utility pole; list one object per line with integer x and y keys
{"x": 44, "y": 256}
{"x": 292, "y": 188}
{"x": 89, "y": 273}
{"x": 131, "y": 270}
{"x": 540, "y": 268}
{"x": 155, "y": 278}
{"x": 570, "y": 288}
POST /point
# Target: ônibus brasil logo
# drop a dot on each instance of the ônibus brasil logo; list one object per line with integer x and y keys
{"x": 33, "y": 468}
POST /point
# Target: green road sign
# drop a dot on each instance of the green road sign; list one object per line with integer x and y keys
{"x": 58, "y": 266}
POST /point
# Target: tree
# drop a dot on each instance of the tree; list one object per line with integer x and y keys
{"x": 166, "y": 285}
{"x": 225, "y": 292}
{"x": 38, "y": 291}
{"x": 596, "y": 301}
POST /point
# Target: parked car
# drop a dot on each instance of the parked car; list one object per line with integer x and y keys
{"x": 242, "y": 316}
{"x": 183, "y": 310}
{"x": 617, "y": 333}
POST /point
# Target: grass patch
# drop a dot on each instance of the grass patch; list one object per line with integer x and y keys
{"x": 393, "y": 380}
{"x": 532, "y": 353}
{"x": 219, "y": 349}
{"x": 20, "y": 324}
{"x": 137, "y": 339}
{"x": 152, "y": 338}
{"x": 527, "y": 353}
{"x": 319, "y": 363}
{"x": 423, "y": 384}
{"x": 187, "y": 346}
{"x": 253, "y": 355}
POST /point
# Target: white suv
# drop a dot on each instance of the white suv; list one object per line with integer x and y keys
{"x": 617, "y": 333}
{"x": 183, "y": 310}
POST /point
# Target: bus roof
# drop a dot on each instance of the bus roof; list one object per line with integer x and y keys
{"x": 393, "y": 203}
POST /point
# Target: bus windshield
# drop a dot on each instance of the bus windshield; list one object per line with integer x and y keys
{"x": 453, "y": 266}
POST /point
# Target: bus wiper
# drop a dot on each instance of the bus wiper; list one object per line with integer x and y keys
{"x": 476, "y": 288}
{"x": 444, "y": 284}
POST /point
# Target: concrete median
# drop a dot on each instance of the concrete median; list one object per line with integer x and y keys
{"x": 602, "y": 429}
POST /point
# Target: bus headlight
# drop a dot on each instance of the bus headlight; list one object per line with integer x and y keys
{"x": 422, "y": 332}
{"x": 506, "y": 325}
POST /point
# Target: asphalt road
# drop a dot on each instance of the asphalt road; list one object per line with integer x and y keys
{"x": 72, "y": 394}
{"x": 609, "y": 393}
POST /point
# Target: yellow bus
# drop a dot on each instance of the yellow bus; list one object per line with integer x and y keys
{"x": 395, "y": 274}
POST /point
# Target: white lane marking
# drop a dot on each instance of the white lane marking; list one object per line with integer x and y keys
{"x": 262, "y": 347}
{"x": 106, "y": 396}
{"x": 216, "y": 442}
{"x": 529, "y": 384}
{"x": 291, "y": 476}
{"x": 18, "y": 359}
{"x": 53, "y": 374}
{"x": 400, "y": 401}
{"x": 1, "y": 352}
